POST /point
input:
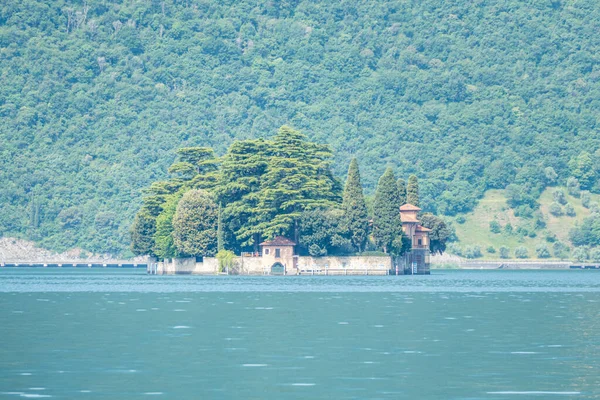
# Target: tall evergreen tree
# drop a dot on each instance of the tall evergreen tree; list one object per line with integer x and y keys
{"x": 412, "y": 191}
{"x": 197, "y": 166}
{"x": 355, "y": 209}
{"x": 164, "y": 246}
{"x": 402, "y": 190}
{"x": 242, "y": 171}
{"x": 142, "y": 234}
{"x": 387, "y": 227}
{"x": 195, "y": 224}
{"x": 298, "y": 177}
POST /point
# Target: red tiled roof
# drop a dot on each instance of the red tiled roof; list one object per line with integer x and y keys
{"x": 278, "y": 241}
{"x": 409, "y": 207}
{"x": 421, "y": 228}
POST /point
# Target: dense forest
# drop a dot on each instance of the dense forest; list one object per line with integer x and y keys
{"x": 98, "y": 95}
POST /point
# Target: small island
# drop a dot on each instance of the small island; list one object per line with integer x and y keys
{"x": 275, "y": 207}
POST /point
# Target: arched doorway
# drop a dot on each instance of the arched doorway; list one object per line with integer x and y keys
{"x": 277, "y": 269}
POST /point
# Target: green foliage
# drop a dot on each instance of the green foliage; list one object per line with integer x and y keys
{"x": 226, "y": 259}
{"x": 460, "y": 219}
{"x": 560, "y": 250}
{"x": 298, "y": 177}
{"x": 551, "y": 175}
{"x": 386, "y": 212}
{"x": 521, "y": 252}
{"x": 580, "y": 254}
{"x": 573, "y": 186}
{"x": 542, "y": 251}
{"x": 495, "y": 226}
{"x": 322, "y": 232}
{"x": 585, "y": 199}
{"x": 588, "y": 233}
{"x": 164, "y": 245}
{"x": 559, "y": 197}
{"x": 355, "y": 208}
{"x": 472, "y": 252}
{"x": 491, "y": 249}
{"x": 582, "y": 168}
{"x": 594, "y": 254}
{"x": 93, "y": 109}
{"x": 555, "y": 209}
{"x": 412, "y": 191}
{"x": 570, "y": 210}
{"x": 402, "y": 190}
{"x": 142, "y": 234}
{"x": 504, "y": 252}
{"x": 195, "y": 224}
{"x": 440, "y": 232}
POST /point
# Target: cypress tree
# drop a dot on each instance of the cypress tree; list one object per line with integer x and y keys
{"x": 402, "y": 190}
{"x": 355, "y": 208}
{"x": 412, "y": 191}
{"x": 220, "y": 238}
{"x": 386, "y": 212}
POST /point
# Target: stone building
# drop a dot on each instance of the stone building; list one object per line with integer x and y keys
{"x": 278, "y": 256}
{"x": 416, "y": 260}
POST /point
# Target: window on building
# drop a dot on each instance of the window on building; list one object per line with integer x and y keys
{"x": 277, "y": 253}
{"x": 267, "y": 251}
{"x": 420, "y": 241}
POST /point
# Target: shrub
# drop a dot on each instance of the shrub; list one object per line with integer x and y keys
{"x": 460, "y": 219}
{"x": 585, "y": 199}
{"x": 570, "y": 210}
{"x": 559, "y": 197}
{"x": 508, "y": 229}
{"x": 495, "y": 227}
{"x": 491, "y": 250}
{"x": 550, "y": 237}
{"x": 595, "y": 254}
{"x": 473, "y": 252}
{"x": 542, "y": 251}
{"x": 555, "y": 209}
{"x": 573, "y": 187}
{"x": 504, "y": 252}
{"x": 550, "y": 174}
{"x": 579, "y": 254}
{"x": 226, "y": 260}
{"x": 560, "y": 250}
{"x": 521, "y": 252}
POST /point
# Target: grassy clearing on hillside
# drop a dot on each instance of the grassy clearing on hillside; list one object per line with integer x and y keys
{"x": 475, "y": 231}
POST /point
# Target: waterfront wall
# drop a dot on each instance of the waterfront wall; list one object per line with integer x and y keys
{"x": 351, "y": 265}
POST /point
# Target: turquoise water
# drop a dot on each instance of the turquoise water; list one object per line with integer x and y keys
{"x": 110, "y": 334}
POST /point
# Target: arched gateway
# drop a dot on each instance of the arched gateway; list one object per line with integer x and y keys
{"x": 277, "y": 269}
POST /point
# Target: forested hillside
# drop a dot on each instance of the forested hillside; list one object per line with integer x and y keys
{"x": 97, "y": 95}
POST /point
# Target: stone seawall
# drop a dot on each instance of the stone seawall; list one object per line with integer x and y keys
{"x": 351, "y": 265}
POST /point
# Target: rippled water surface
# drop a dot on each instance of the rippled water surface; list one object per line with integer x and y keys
{"x": 111, "y": 334}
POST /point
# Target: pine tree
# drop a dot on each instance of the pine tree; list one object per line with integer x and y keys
{"x": 220, "y": 238}
{"x": 355, "y": 208}
{"x": 402, "y": 190}
{"x": 412, "y": 191}
{"x": 298, "y": 177}
{"x": 242, "y": 171}
{"x": 164, "y": 246}
{"x": 387, "y": 227}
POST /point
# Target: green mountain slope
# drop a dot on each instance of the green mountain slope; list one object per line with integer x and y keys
{"x": 475, "y": 231}
{"x": 96, "y": 96}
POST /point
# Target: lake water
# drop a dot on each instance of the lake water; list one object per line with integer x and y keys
{"x": 121, "y": 334}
